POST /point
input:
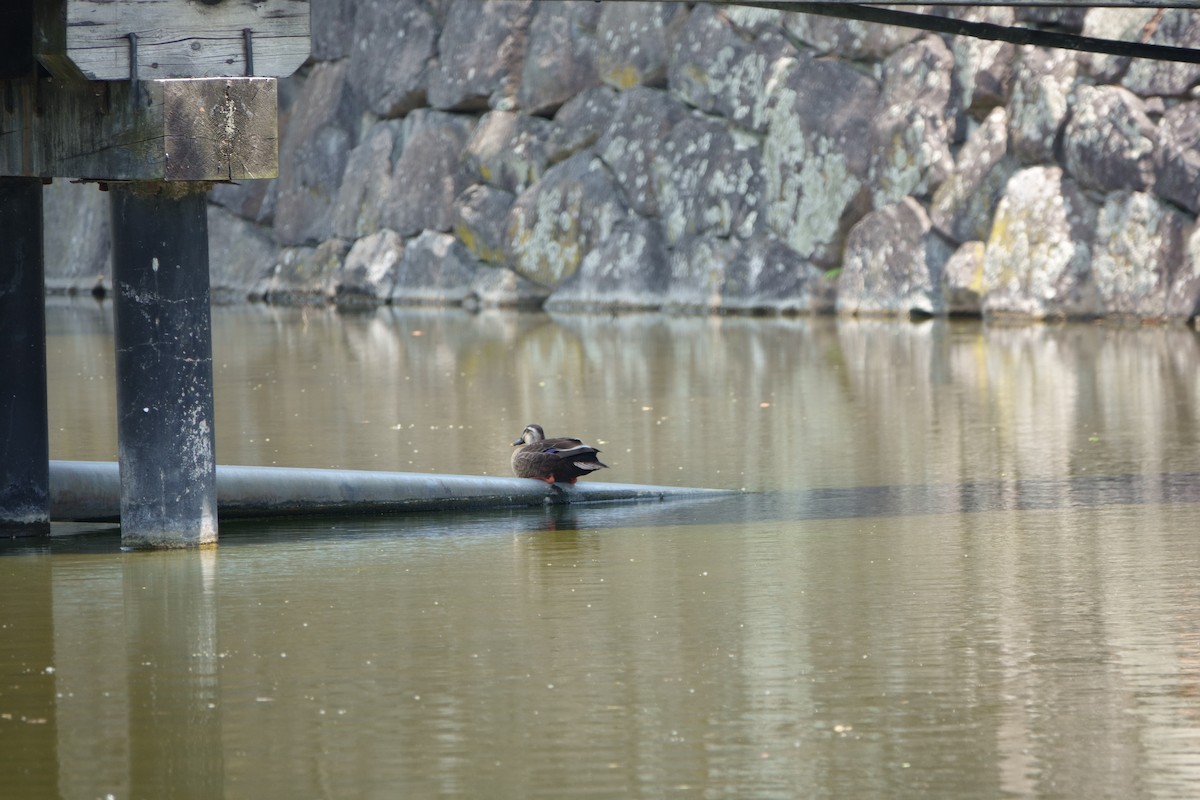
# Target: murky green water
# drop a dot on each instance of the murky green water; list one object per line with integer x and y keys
{"x": 970, "y": 568}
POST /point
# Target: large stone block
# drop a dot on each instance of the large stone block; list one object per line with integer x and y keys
{"x": 851, "y": 39}
{"x": 395, "y": 42}
{"x": 1043, "y": 82}
{"x": 815, "y": 155}
{"x": 1139, "y": 261}
{"x": 560, "y": 57}
{"x": 962, "y": 279}
{"x": 481, "y": 222}
{"x": 427, "y": 175}
{"x": 582, "y": 120}
{"x": 1177, "y": 157}
{"x": 767, "y": 275}
{"x": 508, "y": 150}
{"x": 252, "y": 200}
{"x": 631, "y": 145}
{"x": 963, "y": 205}
{"x": 434, "y": 269}
{"x": 763, "y": 274}
{"x": 720, "y": 70}
{"x": 241, "y": 256}
{"x": 698, "y": 273}
{"x": 495, "y": 287}
{"x": 1038, "y": 260}
{"x": 915, "y": 126}
{"x": 1109, "y": 142}
{"x": 708, "y": 180}
{"x": 367, "y": 184}
{"x": 893, "y": 265}
{"x": 1117, "y": 24}
{"x": 1174, "y": 27}
{"x": 480, "y": 54}
{"x": 559, "y": 220}
{"x": 627, "y": 270}
{"x": 332, "y": 28}
{"x": 983, "y": 69}
{"x": 368, "y": 272}
{"x": 304, "y": 274}
{"x": 76, "y": 238}
{"x": 634, "y": 42}
{"x": 312, "y": 159}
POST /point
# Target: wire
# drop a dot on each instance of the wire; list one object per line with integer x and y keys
{"x": 983, "y": 30}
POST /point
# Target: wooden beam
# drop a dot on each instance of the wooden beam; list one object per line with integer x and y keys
{"x": 227, "y": 127}
{"x": 16, "y": 39}
{"x": 178, "y": 130}
{"x": 90, "y": 39}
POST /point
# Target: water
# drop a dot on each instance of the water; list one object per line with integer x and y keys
{"x": 967, "y": 567}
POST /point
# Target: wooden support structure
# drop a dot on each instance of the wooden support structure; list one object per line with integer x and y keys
{"x": 89, "y": 39}
{"x": 164, "y": 365}
{"x": 182, "y": 129}
{"x": 24, "y": 433}
{"x": 155, "y": 100}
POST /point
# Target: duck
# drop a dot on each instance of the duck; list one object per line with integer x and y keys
{"x": 560, "y": 460}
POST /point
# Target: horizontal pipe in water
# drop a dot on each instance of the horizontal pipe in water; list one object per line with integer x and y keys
{"x": 90, "y": 491}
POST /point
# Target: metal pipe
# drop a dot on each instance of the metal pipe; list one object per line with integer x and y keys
{"x": 90, "y": 491}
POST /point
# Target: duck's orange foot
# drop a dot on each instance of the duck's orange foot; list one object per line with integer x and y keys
{"x": 547, "y": 479}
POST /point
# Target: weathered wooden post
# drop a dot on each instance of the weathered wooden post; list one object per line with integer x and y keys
{"x": 156, "y": 100}
{"x": 24, "y": 433}
{"x": 164, "y": 365}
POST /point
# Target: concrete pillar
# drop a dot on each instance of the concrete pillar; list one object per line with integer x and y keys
{"x": 165, "y": 437}
{"x": 24, "y": 432}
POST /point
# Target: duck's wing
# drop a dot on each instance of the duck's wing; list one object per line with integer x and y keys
{"x": 567, "y": 448}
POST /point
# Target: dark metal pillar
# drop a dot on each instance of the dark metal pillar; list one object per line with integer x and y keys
{"x": 24, "y": 433}
{"x": 165, "y": 438}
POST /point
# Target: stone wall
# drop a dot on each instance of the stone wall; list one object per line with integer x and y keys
{"x": 686, "y": 157}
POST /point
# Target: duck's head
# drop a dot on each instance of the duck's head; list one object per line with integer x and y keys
{"x": 531, "y": 434}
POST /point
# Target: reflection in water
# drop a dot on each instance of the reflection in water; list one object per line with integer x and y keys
{"x": 968, "y": 568}
{"x": 954, "y": 655}
{"x": 28, "y": 680}
{"x": 136, "y": 665}
{"x": 707, "y": 401}
{"x": 171, "y": 652}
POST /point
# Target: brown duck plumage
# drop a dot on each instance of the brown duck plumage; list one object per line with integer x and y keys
{"x": 562, "y": 460}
